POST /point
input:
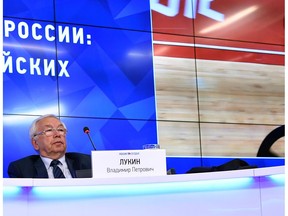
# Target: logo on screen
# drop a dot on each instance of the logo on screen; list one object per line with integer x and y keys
{"x": 190, "y": 9}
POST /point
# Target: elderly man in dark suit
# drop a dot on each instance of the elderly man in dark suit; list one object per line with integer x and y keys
{"x": 48, "y": 137}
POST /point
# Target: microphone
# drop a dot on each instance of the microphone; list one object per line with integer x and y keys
{"x": 87, "y": 131}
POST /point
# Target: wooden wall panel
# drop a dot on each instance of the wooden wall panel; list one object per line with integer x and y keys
{"x": 239, "y": 104}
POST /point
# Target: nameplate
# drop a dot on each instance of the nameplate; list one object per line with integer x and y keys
{"x": 128, "y": 163}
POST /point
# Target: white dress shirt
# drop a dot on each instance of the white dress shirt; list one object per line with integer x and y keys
{"x": 63, "y": 166}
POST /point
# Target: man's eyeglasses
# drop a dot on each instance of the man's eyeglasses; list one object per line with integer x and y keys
{"x": 51, "y": 131}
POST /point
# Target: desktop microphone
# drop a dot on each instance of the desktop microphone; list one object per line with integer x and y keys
{"x": 87, "y": 131}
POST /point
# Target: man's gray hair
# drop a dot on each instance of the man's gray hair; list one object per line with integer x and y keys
{"x": 33, "y": 127}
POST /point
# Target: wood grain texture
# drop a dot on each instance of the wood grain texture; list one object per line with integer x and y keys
{"x": 239, "y": 104}
{"x": 176, "y": 94}
{"x": 241, "y": 92}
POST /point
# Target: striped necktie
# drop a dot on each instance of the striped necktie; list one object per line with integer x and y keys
{"x": 57, "y": 172}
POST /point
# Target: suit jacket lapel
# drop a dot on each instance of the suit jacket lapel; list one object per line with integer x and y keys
{"x": 41, "y": 171}
{"x": 70, "y": 164}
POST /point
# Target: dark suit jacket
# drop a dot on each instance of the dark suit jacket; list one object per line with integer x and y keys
{"x": 33, "y": 167}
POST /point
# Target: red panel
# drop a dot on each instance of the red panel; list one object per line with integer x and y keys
{"x": 214, "y": 54}
{"x": 251, "y": 31}
{"x": 260, "y": 21}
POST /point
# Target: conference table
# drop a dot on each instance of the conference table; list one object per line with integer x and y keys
{"x": 257, "y": 192}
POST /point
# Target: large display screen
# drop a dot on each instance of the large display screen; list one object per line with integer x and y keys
{"x": 201, "y": 78}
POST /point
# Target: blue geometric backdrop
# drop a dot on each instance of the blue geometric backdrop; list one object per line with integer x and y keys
{"x": 90, "y": 62}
